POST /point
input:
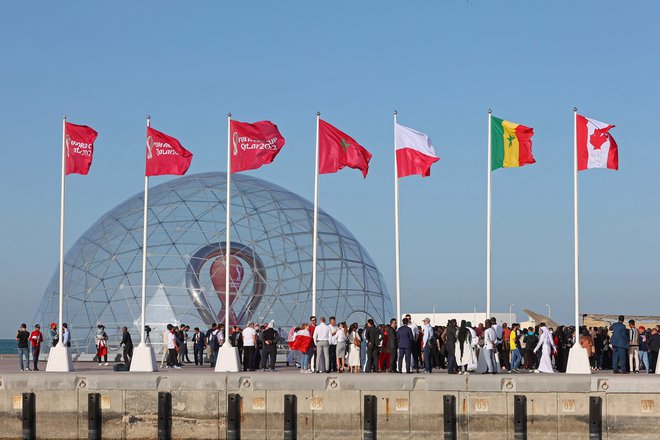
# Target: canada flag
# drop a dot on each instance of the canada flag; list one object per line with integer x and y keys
{"x": 596, "y": 148}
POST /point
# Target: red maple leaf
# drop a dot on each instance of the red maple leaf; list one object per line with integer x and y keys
{"x": 599, "y": 137}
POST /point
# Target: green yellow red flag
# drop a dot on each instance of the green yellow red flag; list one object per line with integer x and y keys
{"x": 511, "y": 144}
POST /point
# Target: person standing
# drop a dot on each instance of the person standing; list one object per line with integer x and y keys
{"x": 214, "y": 343}
{"x": 415, "y": 347}
{"x": 449, "y": 338}
{"x": 463, "y": 350}
{"x": 644, "y": 348}
{"x": 392, "y": 345}
{"x": 354, "y": 342}
{"x": 427, "y": 341}
{"x": 531, "y": 340}
{"x": 587, "y": 342}
{"x": 269, "y": 338}
{"x": 341, "y": 346}
{"x": 54, "y": 335}
{"x": 633, "y": 350}
{"x": 654, "y": 347}
{"x": 66, "y": 335}
{"x": 620, "y": 341}
{"x": 36, "y": 338}
{"x": 514, "y": 347}
{"x": 332, "y": 348}
{"x": 171, "y": 347}
{"x": 249, "y": 344}
{"x": 499, "y": 346}
{"x": 371, "y": 335}
{"x": 102, "y": 345}
{"x": 127, "y": 343}
{"x": 490, "y": 346}
{"x": 198, "y": 340}
{"x": 23, "y": 336}
{"x": 548, "y": 346}
{"x": 322, "y": 334}
{"x": 406, "y": 340}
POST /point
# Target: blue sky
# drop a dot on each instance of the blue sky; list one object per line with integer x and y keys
{"x": 440, "y": 64}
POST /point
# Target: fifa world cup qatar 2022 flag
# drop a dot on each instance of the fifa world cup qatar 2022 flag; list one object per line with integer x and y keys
{"x": 511, "y": 144}
{"x": 254, "y": 145}
{"x": 165, "y": 155}
{"x": 596, "y": 148}
{"x": 338, "y": 150}
{"x": 79, "y": 145}
{"x": 414, "y": 152}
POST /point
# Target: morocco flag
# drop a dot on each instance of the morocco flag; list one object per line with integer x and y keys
{"x": 511, "y": 144}
{"x": 338, "y": 150}
{"x": 254, "y": 145}
{"x": 414, "y": 152}
{"x": 79, "y": 146}
{"x": 165, "y": 155}
{"x": 596, "y": 148}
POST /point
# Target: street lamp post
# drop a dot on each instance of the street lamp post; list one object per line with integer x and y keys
{"x": 510, "y": 314}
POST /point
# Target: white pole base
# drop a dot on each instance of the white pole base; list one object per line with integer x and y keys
{"x": 59, "y": 359}
{"x": 228, "y": 360}
{"x": 657, "y": 366}
{"x": 578, "y": 361}
{"x": 144, "y": 358}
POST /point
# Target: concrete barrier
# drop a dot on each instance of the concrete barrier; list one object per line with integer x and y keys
{"x": 331, "y": 406}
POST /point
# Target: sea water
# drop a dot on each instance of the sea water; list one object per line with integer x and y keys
{"x": 8, "y": 346}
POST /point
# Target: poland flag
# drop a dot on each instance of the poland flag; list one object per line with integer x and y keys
{"x": 414, "y": 152}
{"x": 596, "y": 148}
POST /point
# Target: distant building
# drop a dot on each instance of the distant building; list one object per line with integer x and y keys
{"x": 474, "y": 317}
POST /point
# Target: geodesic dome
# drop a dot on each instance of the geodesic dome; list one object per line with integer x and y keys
{"x": 270, "y": 266}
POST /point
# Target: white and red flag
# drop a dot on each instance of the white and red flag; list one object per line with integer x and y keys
{"x": 79, "y": 146}
{"x": 596, "y": 148}
{"x": 414, "y": 152}
{"x": 165, "y": 155}
{"x": 254, "y": 145}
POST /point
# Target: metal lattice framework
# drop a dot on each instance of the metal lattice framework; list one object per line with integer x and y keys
{"x": 103, "y": 268}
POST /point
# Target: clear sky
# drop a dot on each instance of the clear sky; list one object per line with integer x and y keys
{"x": 440, "y": 64}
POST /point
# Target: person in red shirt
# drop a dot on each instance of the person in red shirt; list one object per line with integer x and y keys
{"x": 36, "y": 338}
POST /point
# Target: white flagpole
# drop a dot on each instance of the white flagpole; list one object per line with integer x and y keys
{"x": 488, "y": 219}
{"x": 144, "y": 251}
{"x": 396, "y": 229}
{"x": 62, "y": 195}
{"x": 575, "y": 227}
{"x": 228, "y": 359}
{"x": 144, "y": 358}
{"x": 228, "y": 229}
{"x": 316, "y": 216}
{"x": 59, "y": 357}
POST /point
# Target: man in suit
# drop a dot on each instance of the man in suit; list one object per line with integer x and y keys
{"x": 406, "y": 340}
{"x": 392, "y": 344}
{"x": 372, "y": 335}
{"x": 199, "y": 343}
{"x": 621, "y": 343}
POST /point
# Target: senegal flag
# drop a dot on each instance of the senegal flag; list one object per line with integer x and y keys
{"x": 511, "y": 144}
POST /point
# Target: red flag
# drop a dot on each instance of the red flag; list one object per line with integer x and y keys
{"x": 79, "y": 146}
{"x": 254, "y": 144}
{"x": 165, "y": 155}
{"x": 596, "y": 148}
{"x": 338, "y": 150}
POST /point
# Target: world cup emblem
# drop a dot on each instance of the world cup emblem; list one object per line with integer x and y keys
{"x": 247, "y": 282}
{"x": 67, "y": 143}
{"x": 235, "y": 142}
{"x": 150, "y": 145}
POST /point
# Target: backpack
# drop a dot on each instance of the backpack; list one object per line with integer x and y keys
{"x": 213, "y": 341}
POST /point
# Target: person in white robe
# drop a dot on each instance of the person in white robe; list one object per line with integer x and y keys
{"x": 548, "y": 346}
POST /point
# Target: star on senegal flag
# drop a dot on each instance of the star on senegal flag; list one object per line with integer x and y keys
{"x": 511, "y": 144}
{"x": 338, "y": 150}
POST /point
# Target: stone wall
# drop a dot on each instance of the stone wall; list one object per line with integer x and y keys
{"x": 331, "y": 406}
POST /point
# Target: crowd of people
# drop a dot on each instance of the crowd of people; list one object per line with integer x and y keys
{"x": 331, "y": 346}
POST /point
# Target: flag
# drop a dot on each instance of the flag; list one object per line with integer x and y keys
{"x": 79, "y": 146}
{"x": 165, "y": 155}
{"x": 511, "y": 144}
{"x": 596, "y": 148}
{"x": 338, "y": 150}
{"x": 254, "y": 145}
{"x": 414, "y": 152}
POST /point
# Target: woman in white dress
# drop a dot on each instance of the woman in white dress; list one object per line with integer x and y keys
{"x": 354, "y": 348}
{"x": 341, "y": 346}
{"x": 548, "y": 347}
